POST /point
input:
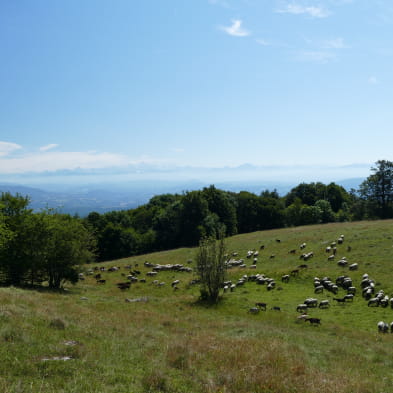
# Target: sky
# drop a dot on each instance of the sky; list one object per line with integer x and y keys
{"x": 140, "y": 86}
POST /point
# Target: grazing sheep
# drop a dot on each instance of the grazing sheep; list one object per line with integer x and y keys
{"x": 311, "y": 302}
{"x": 330, "y": 257}
{"x": 383, "y": 327}
{"x": 324, "y": 304}
{"x": 253, "y": 310}
{"x": 285, "y": 278}
{"x": 276, "y": 308}
{"x": 123, "y": 285}
{"x": 271, "y": 286}
{"x": 348, "y": 296}
{"x": 313, "y": 321}
{"x": 384, "y": 302}
{"x": 374, "y": 302}
{"x": 347, "y": 283}
{"x": 354, "y": 266}
{"x": 303, "y": 246}
{"x": 301, "y": 307}
{"x": 174, "y": 283}
{"x": 351, "y": 290}
{"x": 261, "y": 305}
{"x": 318, "y": 289}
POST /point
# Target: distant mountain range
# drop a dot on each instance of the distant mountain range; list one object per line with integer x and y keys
{"x": 104, "y": 197}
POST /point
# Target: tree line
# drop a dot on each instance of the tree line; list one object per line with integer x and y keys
{"x": 180, "y": 220}
{"x": 48, "y": 248}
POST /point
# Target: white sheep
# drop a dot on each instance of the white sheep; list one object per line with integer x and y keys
{"x": 383, "y": 327}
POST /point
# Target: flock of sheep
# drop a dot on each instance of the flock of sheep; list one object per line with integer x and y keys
{"x": 319, "y": 285}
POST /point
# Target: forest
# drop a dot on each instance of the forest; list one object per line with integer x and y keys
{"x": 46, "y": 246}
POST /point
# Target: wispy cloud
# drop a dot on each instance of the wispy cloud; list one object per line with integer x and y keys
{"x": 321, "y": 57}
{"x": 298, "y": 9}
{"x": 54, "y": 161}
{"x": 8, "y": 147}
{"x": 221, "y": 3}
{"x": 337, "y": 43}
{"x": 235, "y": 29}
{"x": 48, "y": 147}
{"x": 372, "y": 80}
{"x": 263, "y": 42}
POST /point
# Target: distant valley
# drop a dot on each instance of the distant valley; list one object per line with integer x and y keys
{"x": 104, "y": 197}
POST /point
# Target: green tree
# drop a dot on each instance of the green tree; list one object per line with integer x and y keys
{"x": 310, "y": 215}
{"x": 223, "y": 205}
{"x": 14, "y": 258}
{"x": 377, "y": 189}
{"x": 193, "y": 211}
{"x": 326, "y": 211}
{"x": 68, "y": 248}
{"x": 210, "y": 261}
{"x": 247, "y": 212}
{"x": 292, "y": 213}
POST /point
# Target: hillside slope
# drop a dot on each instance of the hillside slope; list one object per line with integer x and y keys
{"x": 95, "y": 337}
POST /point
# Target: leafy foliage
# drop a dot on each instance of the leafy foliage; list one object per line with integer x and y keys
{"x": 377, "y": 190}
{"x": 41, "y": 247}
{"x": 211, "y": 267}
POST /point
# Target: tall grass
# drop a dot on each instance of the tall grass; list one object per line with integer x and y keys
{"x": 88, "y": 339}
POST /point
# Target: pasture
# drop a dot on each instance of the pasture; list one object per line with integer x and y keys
{"x": 151, "y": 337}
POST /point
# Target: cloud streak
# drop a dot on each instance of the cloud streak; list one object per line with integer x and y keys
{"x": 235, "y": 29}
{"x": 48, "y": 147}
{"x": 297, "y": 9}
{"x": 13, "y": 161}
{"x": 317, "y": 56}
{"x": 337, "y": 43}
{"x": 7, "y": 147}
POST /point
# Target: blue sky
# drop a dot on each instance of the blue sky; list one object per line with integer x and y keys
{"x": 112, "y": 86}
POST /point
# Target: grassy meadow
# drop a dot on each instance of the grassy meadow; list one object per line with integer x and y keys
{"x": 89, "y": 339}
